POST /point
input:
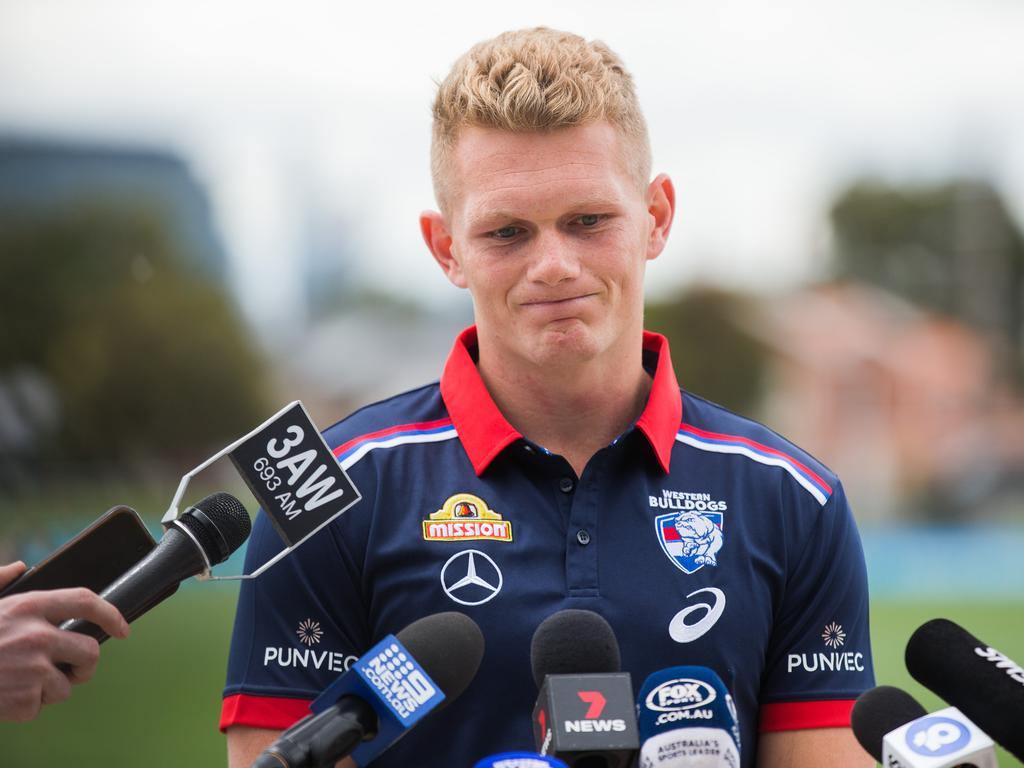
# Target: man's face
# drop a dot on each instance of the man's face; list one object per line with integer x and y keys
{"x": 550, "y": 234}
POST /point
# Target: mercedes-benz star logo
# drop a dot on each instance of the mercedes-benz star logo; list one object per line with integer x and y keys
{"x": 471, "y": 578}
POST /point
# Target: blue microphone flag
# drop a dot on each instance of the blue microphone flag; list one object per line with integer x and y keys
{"x": 390, "y": 679}
{"x": 520, "y": 760}
{"x": 687, "y": 717}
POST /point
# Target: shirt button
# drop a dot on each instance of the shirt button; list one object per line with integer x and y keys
{"x": 583, "y": 537}
{"x": 565, "y": 485}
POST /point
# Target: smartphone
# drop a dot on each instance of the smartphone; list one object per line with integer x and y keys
{"x": 94, "y": 558}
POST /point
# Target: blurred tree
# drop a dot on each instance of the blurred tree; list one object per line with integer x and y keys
{"x": 952, "y": 248}
{"x": 714, "y": 356}
{"x": 146, "y": 359}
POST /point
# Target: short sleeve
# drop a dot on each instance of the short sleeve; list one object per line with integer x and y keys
{"x": 298, "y": 626}
{"x": 819, "y": 657}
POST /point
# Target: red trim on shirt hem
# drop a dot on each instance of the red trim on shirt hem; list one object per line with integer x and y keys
{"x": 273, "y": 712}
{"x": 797, "y": 715}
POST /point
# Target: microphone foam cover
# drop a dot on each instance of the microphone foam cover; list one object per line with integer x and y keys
{"x": 880, "y": 711}
{"x": 449, "y": 646}
{"x": 573, "y": 642}
{"x": 219, "y": 523}
{"x": 973, "y": 677}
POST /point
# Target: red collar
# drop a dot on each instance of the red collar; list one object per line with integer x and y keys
{"x": 485, "y": 433}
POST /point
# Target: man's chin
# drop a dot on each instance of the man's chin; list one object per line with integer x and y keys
{"x": 565, "y": 341}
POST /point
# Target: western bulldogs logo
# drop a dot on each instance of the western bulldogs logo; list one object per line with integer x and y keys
{"x": 690, "y": 539}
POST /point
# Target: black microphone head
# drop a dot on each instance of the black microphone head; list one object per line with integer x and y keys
{"x": 449, "y": 646}
{"x": 972, "y": 676}
{"x": 927, "y": 655}
{"x": 880, "y": 711}
{"x": 219, "y": 523}
{"x": 573, "y": 642}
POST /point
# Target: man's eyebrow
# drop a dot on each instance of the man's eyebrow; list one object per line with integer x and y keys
{"x": 483, "y": 215}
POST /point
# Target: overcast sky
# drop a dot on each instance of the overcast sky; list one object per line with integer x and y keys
{"x": 759, "y": 111}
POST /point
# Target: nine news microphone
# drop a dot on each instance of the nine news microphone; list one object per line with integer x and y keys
{"x": 898, "y": 733}
{"x": 387, "y": 691}
{"x": 203, "y": 536}
{"x": 585, "y": 713}
{"x": 984, "y": 684}
{"x": 687, "y": 719}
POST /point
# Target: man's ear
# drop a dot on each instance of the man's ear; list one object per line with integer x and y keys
{"x": 661, "y": 206}
{"x": 439, "y": 241}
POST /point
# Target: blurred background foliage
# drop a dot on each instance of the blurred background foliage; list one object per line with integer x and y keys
{"x": 713, "y": 352}
{"x": 120, "y": 354}
{"x": 949, "y": 247}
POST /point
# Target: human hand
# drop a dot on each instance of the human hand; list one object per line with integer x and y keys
{"x": 39, "y": 662}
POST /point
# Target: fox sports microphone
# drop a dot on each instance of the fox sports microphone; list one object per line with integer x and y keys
{"x": 201, "y": 537}
{"x": 898, "y": 733}
{"x": 387, "y": 691}
{"x": 687, "y": 719}
{"x": 585, "y": 713}
{"x": 971, "y": 675}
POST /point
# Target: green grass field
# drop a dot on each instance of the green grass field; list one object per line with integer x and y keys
{"x": 156, "y": 697}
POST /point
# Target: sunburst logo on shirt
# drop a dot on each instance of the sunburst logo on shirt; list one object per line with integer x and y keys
{"x": 833, "y": 635}
{"x": 309, "y": 632}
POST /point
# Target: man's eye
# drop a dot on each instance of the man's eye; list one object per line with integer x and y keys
{"x": 505, "y": 233}
{"x": 589, "y": 219}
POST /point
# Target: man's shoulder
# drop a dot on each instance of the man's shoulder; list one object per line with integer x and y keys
{"x": 714, "y": 428}
{"x": 415, "y": 411}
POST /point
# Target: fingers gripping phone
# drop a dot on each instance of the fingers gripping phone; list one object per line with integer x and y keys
{"x": 94, "y": 558}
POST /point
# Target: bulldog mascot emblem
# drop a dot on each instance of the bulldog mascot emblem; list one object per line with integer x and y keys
{"x": 691, "y": 539}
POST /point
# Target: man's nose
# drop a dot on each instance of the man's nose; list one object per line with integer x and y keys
{"x": 553, "y": 260}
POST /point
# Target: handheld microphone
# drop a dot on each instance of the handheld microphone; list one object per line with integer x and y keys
{"x": 983, "y": 683}
{"x": 880, "y": 711}
{"x": 897, "y": 731}
{"x": 585, "y": 714}
{"x": 519, "y": 760}
{"x": 387, "y": 691}
{"x": 687, "y": 719}
{"x": 203, "y": 536}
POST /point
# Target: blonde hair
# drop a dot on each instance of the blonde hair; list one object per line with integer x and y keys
{"x": 536, "y": 80}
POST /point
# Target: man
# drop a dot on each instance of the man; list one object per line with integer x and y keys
{"x": 39, "y": 662}
{"x": 556, "y": 463}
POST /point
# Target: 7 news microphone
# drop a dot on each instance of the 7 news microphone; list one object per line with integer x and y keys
{"x": 585, "y": 713}
{"x": 974, "y": 677}
{"x": 202, "y": 536}
{"x": 899, "y": 733}
{"x": 388, "y": 690}
{"x": 687, "y": 719}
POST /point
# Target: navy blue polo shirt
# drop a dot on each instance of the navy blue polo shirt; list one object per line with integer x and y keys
{"x": 701, "y": 536}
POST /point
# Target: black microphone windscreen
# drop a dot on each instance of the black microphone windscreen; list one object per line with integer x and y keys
{"x": 573, "y": 642}
{"x": 973, "y": 677}
{"x": 449, "y": 646}
{"x": 219, "y": 523}
{"x": 880, "y": 711}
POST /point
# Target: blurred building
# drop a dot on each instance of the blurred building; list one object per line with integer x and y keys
{"x": 39, "y": 176}
{"x": 907, "y": 406}
{"x": 115, "y": 296}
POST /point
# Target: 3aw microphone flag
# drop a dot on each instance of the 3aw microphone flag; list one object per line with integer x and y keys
{"x": 292, "y": 473}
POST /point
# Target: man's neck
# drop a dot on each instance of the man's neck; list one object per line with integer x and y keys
{"x": 572, "y": 411}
